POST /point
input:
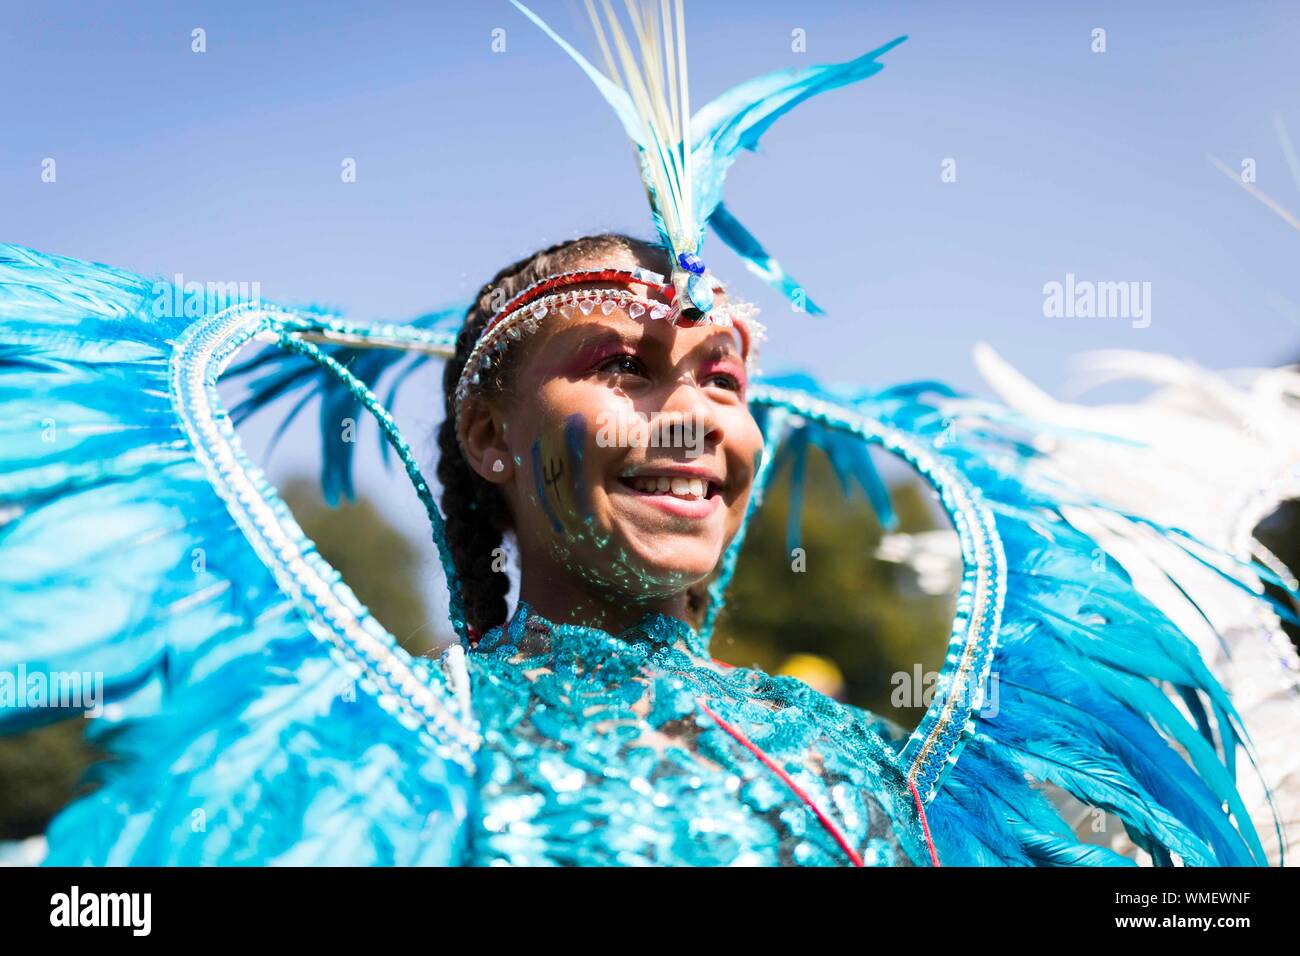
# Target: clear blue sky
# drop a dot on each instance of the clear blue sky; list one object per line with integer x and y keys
{"x": 226, "y": 165}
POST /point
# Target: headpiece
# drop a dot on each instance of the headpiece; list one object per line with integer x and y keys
{"x": 683, "y": 160}
{"x": 556, "y": 295}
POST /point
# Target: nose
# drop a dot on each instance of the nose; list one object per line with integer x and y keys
{"x": 691, "y": 416}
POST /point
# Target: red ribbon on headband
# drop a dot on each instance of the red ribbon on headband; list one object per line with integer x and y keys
{"x": 544, "y": 286}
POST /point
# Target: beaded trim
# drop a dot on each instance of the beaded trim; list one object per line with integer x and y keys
{"x": 357, "y": 641}
{"x": 949, "y": 721}
{"x": 525, "y": 312}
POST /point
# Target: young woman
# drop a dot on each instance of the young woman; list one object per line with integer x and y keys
{"x": 559, "y": 444}
{"x": 619, "y": 449}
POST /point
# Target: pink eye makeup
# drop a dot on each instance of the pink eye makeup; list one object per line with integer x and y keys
{"x": 725, "y": 367}
{"x": 594, "y": 355}
{"x": 559, "y": 297}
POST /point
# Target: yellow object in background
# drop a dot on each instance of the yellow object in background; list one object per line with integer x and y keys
{"x": 819, "y": 673}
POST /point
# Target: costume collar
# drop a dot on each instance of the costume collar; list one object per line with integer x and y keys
{"x": 533, "y": 634}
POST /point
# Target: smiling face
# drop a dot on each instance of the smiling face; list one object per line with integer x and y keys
{"x": 624, "y": 447}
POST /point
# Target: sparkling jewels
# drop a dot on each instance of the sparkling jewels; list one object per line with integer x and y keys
{"x": 700, "y": 291}
{"x": 691, "y": 263}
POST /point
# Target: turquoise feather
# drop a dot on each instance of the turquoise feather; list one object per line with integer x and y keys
{"x": 737, "y": 120}
{"x": 757, "y": 259}
{"x": 717, "y": 132}
{"x": 232, "y": 742}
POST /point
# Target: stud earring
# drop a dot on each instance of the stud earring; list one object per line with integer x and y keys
{"x": 498, "y": 466}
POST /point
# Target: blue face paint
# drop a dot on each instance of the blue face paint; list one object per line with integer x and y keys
{"x": 575, "y": 433}
{"x": 540, "y": 482}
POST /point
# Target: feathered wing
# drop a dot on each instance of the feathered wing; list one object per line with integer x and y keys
{"x": 1213, "y": 459}
{"x": 274, "y": 374}
{"x": 240, "y": 729}
{"x": 1086, "y": 687}
{"x": 258, "y": 714}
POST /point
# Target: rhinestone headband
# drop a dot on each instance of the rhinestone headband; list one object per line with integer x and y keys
{"x": 525, "y": 312}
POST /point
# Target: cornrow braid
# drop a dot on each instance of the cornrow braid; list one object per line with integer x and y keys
{"x": 474, "y": 510}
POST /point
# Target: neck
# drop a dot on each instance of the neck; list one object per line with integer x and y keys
{"x": 564, "y": 601}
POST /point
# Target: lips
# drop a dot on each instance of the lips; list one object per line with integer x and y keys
{"x": 677, "y": 486}
{"x": 689, "y": 495}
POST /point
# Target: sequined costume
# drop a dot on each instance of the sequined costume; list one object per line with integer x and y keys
{"x": 602, "y": 749}
{"x": 1117, "y": 646}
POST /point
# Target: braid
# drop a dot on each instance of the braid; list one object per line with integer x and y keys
{"x": 475, "y": 512}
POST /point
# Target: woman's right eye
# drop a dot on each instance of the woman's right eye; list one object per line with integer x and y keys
{"x": 623, "y": 364}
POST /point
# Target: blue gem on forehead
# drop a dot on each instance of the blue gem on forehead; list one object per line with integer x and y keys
{"x": 691, "y": 262}
{"x": 700, "y": 291}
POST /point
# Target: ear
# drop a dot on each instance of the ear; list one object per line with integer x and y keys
{"x": 482, "y": 434}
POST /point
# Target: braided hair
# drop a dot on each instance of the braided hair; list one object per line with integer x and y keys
{"x": 475, "y": 512}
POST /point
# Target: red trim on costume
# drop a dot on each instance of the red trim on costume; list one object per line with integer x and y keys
{"x": 771, "y": 764}
{"x": 925, "y": 826}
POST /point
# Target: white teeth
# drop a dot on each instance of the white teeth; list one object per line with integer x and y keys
{"x": 677, "y": 486}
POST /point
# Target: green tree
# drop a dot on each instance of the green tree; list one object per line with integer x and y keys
{"x": 847, "y": 605}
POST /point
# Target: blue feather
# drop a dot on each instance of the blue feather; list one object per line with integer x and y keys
{"x": 274, "y": 374}
{"x": 119, "y": 561}
{"x": 741, "y": 241}
{"x": 738, "y": 118}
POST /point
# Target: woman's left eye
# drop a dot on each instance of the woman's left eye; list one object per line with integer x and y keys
{"x": 727, "y": 379}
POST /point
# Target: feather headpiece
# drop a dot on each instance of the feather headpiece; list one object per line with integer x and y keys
{"x": 683, "y": 157}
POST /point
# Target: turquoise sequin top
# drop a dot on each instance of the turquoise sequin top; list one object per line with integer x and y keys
{"x": 600, "y": 749}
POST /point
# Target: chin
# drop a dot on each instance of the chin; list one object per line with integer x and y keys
{"x": 675, "y": 561}
{"x": 667, "y": 543}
